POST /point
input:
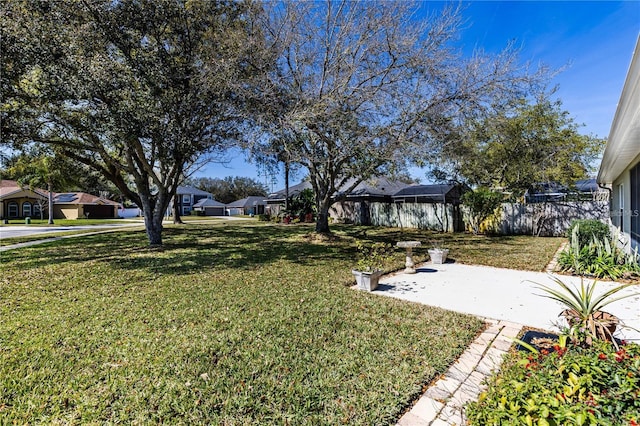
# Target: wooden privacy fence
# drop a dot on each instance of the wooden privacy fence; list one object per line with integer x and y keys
{"x": 544, "y": 219}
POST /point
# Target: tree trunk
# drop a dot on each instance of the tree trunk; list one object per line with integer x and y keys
{"x": 176, "y": 211}
{"x": 286, "y": 185}
{"x": 50, "y": 202}
{"x": 322, "y": 223}
{"x": 153, "y": 215}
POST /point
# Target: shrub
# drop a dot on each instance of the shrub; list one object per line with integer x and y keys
{"x": 264, "y": 217}
{"x": 481, "y": 204}
{"x": 599, "y": 385}
{"x": 599, "y": 258}
{"x": 589, "y": 230}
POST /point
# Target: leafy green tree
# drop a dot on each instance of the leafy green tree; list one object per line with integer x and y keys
{"x": 230, "y": 188}
{"x": 137, "y": 90}
{"x": 516, "y": 149}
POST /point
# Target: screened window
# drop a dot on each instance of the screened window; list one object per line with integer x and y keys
{"x": 12, "y": 209}
{"x": 621, "y": 207}
{"x": 26, "y": 209}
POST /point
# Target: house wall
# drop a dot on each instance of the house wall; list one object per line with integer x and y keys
{"x": 67, "y": 211}
{"x": 19, "y": 200}
{"x": 625, "y": 206}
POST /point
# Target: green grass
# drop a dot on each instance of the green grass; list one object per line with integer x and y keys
{"x": 227, "y": 325}
{"x": 520, "y": 252}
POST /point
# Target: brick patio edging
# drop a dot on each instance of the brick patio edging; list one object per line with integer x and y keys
{"x": 443, "y": 403}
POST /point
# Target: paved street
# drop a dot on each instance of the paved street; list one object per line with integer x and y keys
{"x": 27, "y": 230}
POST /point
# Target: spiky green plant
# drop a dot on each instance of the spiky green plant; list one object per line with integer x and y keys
{"x": 584, "y": 309}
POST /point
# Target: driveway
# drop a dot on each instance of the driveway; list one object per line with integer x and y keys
{"x": 501, "y": 294}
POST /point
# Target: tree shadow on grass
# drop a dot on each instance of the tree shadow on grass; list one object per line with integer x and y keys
{"x": 187, "y": 249}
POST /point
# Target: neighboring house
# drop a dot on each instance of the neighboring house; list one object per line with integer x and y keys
{"x": 17, "y": 201}
{"x": 250, "y": 205}
{"x": 187, "y": 197}
{"x": 620, "y": 166}
{"x": 584, "y": 190}
{"x": 355, "y": 206}
{"x": 278, "y": 197}
{"x": 78, "y": 205}
{"x": 209, "y": 207}
{"x": 441, "y": 193}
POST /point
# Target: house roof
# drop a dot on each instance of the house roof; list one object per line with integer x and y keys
{"x": 583, "y": 185}
{"x": 293, "y": 191}
{"x": 375, "y": 187}
{"x": 248, "y": 202}
{"x": 427, "y": 191}
{"x": 9, "y": 187}
{"x": 623, "y": 145}
{"x": 81, "y": 198}
{"x": 190, "y": 190}
{"x": 207, "y": 202}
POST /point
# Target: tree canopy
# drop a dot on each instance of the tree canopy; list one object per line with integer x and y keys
{"x": 230, "y": 188}
{"x": 137, "y": 90}
{"x": 519, "y": 148}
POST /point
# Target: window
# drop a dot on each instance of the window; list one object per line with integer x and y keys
{"x": 36, "y": 209}
{"x": 621, "y": 207}
{"x": 186, "y": 199}
{"x": 634, "y": 208}
{"x": 186, "y": 210}
{"x": 26, "y": 209}
{"x": 12, "y": 209}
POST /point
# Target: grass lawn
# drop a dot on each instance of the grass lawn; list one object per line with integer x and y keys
{"x": 229, "y": 324}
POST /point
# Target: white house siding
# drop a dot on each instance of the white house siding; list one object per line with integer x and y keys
{"x": 625, "y": 205}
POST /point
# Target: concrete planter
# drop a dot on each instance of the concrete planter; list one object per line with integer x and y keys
{"x": 367, "y": 281}
{"x": 438, "y": 256}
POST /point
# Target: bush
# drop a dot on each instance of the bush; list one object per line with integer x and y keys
{"x": 598, "y": 258}
{"x": 571, "y": 385}
{"x": 589, "y": 230}
{"x": 481, "y": 204}
{"x": 264, "y": 217}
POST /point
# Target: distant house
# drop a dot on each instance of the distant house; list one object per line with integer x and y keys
{"x": 250, "y": 205}
{"x": 355, "y": 206}
{"x": 440, "y": 193}
{"x": 620, "y": 166}
{"x": 17, "y": 201}
{"x": 279, "y": 196}
{"x": 78, "y": 205}
{"x": 583, "y": 190}
{"x": 209, "y": 207}
{"x": 186, "y": 197}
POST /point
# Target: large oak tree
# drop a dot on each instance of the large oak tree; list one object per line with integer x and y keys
{"x": 139, "y": 90}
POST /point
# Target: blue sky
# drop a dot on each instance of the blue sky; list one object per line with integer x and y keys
{"x": 594, "y": 40}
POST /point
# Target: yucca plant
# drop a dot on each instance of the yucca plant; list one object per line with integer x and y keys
{"x": 585, "y": 317}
